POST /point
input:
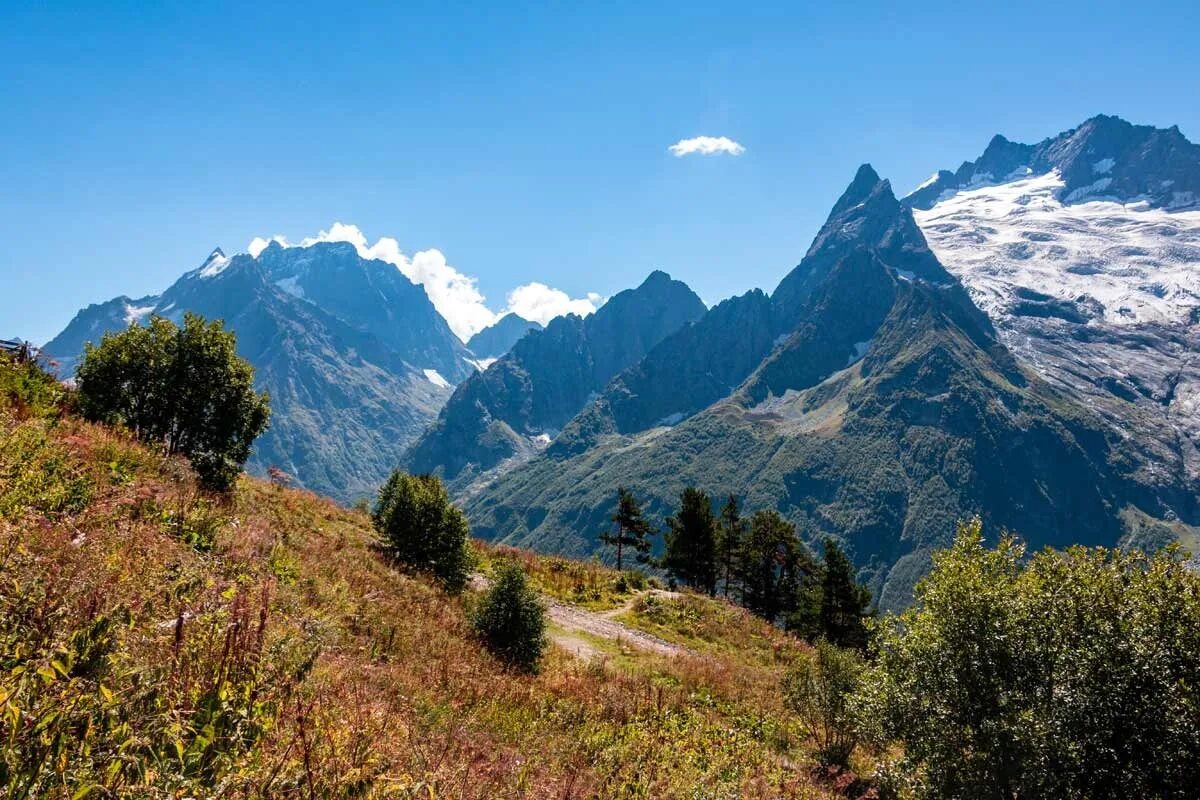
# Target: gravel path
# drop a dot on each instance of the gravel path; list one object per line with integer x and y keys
{"x": 598, "y": 624}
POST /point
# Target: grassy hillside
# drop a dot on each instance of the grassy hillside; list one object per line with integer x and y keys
{"x": 155, "y": 642}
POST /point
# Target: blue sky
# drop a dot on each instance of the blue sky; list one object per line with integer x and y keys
{"x": 527, "y": 143}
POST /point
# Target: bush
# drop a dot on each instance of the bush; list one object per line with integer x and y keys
{"x": 820, "y": 689}
{"x": 1071, "y": 674}
{"x": 511, "y": 620}
{"x": 184, "y": 387}
{"x": 422, "y": 529}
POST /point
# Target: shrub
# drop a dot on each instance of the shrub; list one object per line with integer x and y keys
{"x": 510, "y": 619}
{"x": 820, "y": 688}
{"x": 1071, "y": 674}
{"x": 422, "y": 529}
{"x": 184, "y": 387}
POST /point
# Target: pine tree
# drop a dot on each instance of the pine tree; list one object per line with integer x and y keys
{"x": 632, "y": 528}
{"x": 773, "y": 567}
{"x": 844, "y": 601}
{"x": 729, "y": 541}
{"x": 691, "y": 542}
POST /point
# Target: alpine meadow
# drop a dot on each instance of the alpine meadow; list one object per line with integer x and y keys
{"x": 654, "y": 445}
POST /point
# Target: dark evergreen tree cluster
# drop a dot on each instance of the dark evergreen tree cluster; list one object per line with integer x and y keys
{"x": 760, "y": 563}
{"x": 422, "y": 529}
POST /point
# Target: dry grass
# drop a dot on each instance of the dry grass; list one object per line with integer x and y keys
{"x": 258, "y": 646}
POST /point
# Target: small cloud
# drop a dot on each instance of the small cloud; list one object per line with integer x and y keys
{"x": 541, "y": 303}
{"x": 454, "y": 294}
{"x": 706, "y": 146}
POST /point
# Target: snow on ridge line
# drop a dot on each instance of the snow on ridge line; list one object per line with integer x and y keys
{"x": 214, "y": 265}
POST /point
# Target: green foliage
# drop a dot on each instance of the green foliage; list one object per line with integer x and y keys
{"x": 632, "y": 528}
{"x": 510, "y": 618}
{"x": 196, "y": 523}
{"x": 773, "y": 567}
{"x": 184, "y": 387}
{"x": 730, "y": 532}
{"x": 1073, "y": 675}
{"x": 844, "y": 602}
{"x": 422, "y": 529}
{"x": 78, "y": 720}
{"x": 691, "y": 542}
{"x": 26, "y": 390}
{"x": 36, "y": 473}
{"x": 820, "y": 688}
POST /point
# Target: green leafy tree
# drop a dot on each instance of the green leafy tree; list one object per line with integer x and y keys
{"x": 774, "y": 568}
{"x": 422, "y": 529}
{"x": 690, "y": 553}
{"x": 845, "y": 603}
{"x": 184, "y": 386}
{"x": 632, "y": 529}
{"x": 511, "y": 620}
{"x": 730, "y": 532}
{"x": 1071, "y": 674}
{"x": 820, "y": 688}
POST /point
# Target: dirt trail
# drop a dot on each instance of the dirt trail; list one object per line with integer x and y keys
{"x": 599, "y": 624}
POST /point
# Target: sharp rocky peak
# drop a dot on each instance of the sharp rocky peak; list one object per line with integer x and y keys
{"x": 1105, "y": 157}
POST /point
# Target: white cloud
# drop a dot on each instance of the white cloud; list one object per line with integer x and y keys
{"x": 541, "y": 303}
{"x": 454, "y": 294}
{"x": 706, "y": 146}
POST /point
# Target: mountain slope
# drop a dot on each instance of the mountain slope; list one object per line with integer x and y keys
{"x": 344, "y": 404}
{"x": 889, "y": 412}
{"x": 705, "y": 362}
{"x": 514, "y": 407}
{"x": 499, "y": 337}
{"x": 1101, "y": 296}
{"x": 374, "y": 297}
{"x": 170, "y": 646}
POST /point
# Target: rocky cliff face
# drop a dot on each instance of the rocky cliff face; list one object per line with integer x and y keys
{"x": 513, "y": 409}
{"x": 1105, "y": 157}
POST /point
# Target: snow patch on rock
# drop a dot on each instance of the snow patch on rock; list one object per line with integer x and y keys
{"x": 136, "y": 313}
{"x": 214, "y": 265}
{"x": 436, "y": 378}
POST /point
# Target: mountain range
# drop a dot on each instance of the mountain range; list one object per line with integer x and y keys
{"x": 1015, "y": 339}
{"x": 1014, "y": 347}
{"x": 355, "y": 357}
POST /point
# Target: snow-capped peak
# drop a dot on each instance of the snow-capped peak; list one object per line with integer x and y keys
{"x": 214, "y": 265}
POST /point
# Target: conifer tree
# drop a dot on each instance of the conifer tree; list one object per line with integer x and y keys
{"x": 730, "y": 532}
{"x": 844, "y": 601}
{"x": 773, "y": 566}
{"x": 691, "y": 542}
{"x": 632, "y": 529}
{"x": 511, "y": 620}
